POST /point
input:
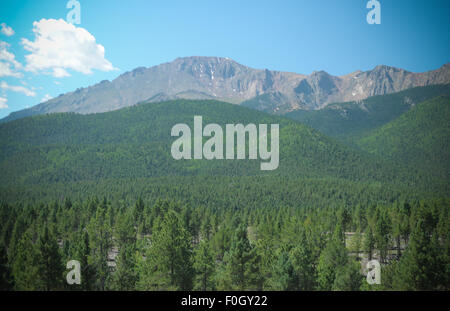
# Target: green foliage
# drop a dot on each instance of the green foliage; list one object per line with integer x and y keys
{"x": 125, "y": 276}
{"x": 348, "y": 277}
{"x": 422, "y": 267}
{"x": 25, "y": 267}
{"x": 135, "y": 142}
{"x": 170, "y": 253}
{"x": 49, "y": 261}
{"x": 369, "y": 242}
{"x": 205, "y": 225}
{"x": 270, "y": 248}
{"x": 204, "y": 265}
{"x": 419, "y": 138}
{"x": 283, "y": 277}
{"x": 100, "y": 243}
{"x": 332, "y": 259}
{"x": 352, "y": 120}
{"x": 304, "y": 263}
{"x": 5, "y": 271}
{"x": 240, "y": 263}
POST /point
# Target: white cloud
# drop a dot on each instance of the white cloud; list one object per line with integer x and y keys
{"x": 46, "y": 97}
{"x": 8, "y": 63}
{"x": 59, "y": 46}
{"x": 3, "y": 104}
{"x": 6, "y": 30}
{"x": 16, "y": 88}
{"x": 6, "y": 55}
{"x": 7, "y": 71}
{"x": 60, "y": 73}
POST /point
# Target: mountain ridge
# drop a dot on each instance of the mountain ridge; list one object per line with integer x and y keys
{"x": 224, "y": 79}
{"x": 349, "y": 121}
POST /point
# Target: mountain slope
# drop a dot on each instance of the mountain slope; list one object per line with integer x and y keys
{"x": 135, "y": 142}
{"x": 352, "y": 120}
{"x": 420, "y": 137}
{"x": 226, "y": 80}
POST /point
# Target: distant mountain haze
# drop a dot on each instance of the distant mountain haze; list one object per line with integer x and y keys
{"x": 226, "y": 80}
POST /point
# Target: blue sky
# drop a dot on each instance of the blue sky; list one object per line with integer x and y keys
{"x": 298, "y": 36}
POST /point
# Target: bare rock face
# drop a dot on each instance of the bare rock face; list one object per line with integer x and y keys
{"x": 226, "y": 80}
{"x": 320, "y": 89}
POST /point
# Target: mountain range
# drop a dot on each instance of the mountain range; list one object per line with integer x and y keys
{"x": 350, "y": 121}
{"x": 226, "y": 80}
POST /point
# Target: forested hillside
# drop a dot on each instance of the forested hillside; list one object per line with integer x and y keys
{"x": 419, "y": 137}
{"x": 104, "y": 189}
{"x": 135, "y": 143}
{"x": 349, "y": 121}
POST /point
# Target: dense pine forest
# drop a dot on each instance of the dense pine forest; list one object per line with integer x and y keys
{"x": 168, "y": 245}
{"x": 103, "y": 189}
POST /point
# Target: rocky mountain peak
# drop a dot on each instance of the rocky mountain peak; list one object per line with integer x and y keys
{"x": 199, "y": 77}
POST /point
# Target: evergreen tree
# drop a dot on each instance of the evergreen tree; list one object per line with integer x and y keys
{"x": 82, "y": 254}
{"x": 421, "y": 266}
{"x": 369, "y": 242}
{"x": 382, "y": 232}
{"x": 303, "y": 261}
{"x": 284, "y": 277}
{"x": 100, "y": 243}
{"x": 332, "y": 258}
{"x": 125, "y": 275}
{"x": 344, "y": 218}
{"x": 25, "y": 266}
{"x": 240, "y": 261}
{"x": 171, "y": 252}
{"x": 5, "y": 272}
{"x": 49, "y": 261}
{"x": 204, "y": 265}
{"x": 348, "y": 277}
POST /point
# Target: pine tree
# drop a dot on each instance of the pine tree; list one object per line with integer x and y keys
{"x": 5, "y": 272}
{"x": 333, "y": 257}
{"x": 125, "y": 275}
{"x": 284, "y": 277}
{"x": 20, "y": 226}
{"x": 49, "y": 261}
{"x": 369, "y": 242}
{"x": 171, "y": 252}
{"x": 421, "y": 266}
{"x": 382, "y": 233}
{"x": 396, "y": 218}
{"x": 25, "y": 266}
{"x": 138, "y": 209}
{"x": 344, "y": 219}
{"x": 240, "y": 261}
{"x": 348, "y": 277}
{"x": 204, "y": 265}
{"x": 302, "y": 259}
{"x": 100, "y": 244}
{"x": 83, "y": 253}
